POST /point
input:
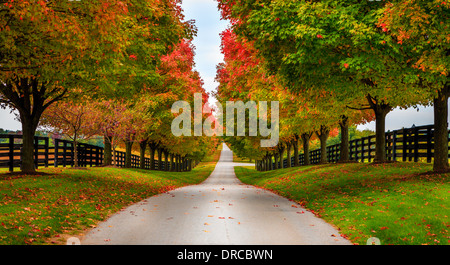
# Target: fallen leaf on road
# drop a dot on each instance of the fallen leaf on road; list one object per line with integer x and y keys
{"x": 301, "y": 212}
{"x": 205, "y": 224}
{"x": 210, "y": 215}
{"x": 221, "y": 217}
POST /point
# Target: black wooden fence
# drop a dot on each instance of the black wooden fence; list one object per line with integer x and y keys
{"x": 407, "y": 144}
{"x": 61, "y": 153}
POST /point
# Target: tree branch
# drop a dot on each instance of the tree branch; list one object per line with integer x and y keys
{"x": 361, "y": 108}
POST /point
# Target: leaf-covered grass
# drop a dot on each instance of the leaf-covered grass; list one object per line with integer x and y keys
{"x": 40, "y": 209}
{"x": 399, "y": 203}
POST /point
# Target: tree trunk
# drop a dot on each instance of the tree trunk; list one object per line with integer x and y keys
{"x": 114, "y": 157}
{"x": 128, "y": 147}
{"x": 345, "y": 151}
{"x": 152, "y": 155}
{"x": 172, "y": 163}
{"x": 183, "y": 163}
{"x": 29, "y": 125}
{"x": 276, "y": 161}
{"x": 305, "y": 140}
{"x": 380, "y": 137}
{"x": 381, "y": 110}
{"x": 269, "y": 162}
{"x": 323, "y": 136}
{"x": 295, "y": 144}
{"x": 142, "y": 148}
{"x": 107, "y": 155}
{"x": 27, "y": 152}
{"x": 159, "y": 158}
{"x": 166, "y": 160}
{"x": 75, "y": 152}
{"x": 280, "y": 153}
{"x": 288, "y": 153}
{"x": 440, "y": 163}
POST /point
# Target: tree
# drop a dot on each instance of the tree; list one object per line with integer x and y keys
{"x": 75, "y": 120}
{"x": 44, "y": 47}
{"x": 334, "y": 45}
{"x": 421, "y": 29}
{"x": 107, "y": 48}
{"x": 111, "y": 114}
{"x": 243, "y": 76}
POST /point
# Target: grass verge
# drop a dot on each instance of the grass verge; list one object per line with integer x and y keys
{"x": 399, "y": 203}
{"x": 45, "y": 209}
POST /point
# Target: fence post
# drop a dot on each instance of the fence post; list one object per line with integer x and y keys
{"x": 64, "y": 153}
{"x": 97, "y": 156}
{"x": 11, "y": 152}
{"x": 389, "y": 146}
{"x": 429, "y": 141}
{"x": 416, "y": 144}
{"x": 36, "y": 152}
{"x": 350, "y": 150}
{"x": 46, "y": 151}
{"x": 91, "y": 154}
{"x": 72, "y": 154}
{"x": 404, "y": 144}
{"x": 56, "y": 143}
{"x": 410, "y": 145}
{"x": 394, "y": 146}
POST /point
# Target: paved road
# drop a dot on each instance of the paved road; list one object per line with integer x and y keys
{"x": 221, "y": 210}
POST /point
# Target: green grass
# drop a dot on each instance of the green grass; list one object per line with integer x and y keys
{"x": 45, "y": 209}
{"x": 399, "y": 203}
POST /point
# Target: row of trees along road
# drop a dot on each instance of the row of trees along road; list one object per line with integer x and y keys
{"x": 99, "y": 67}
{"x": 333, "y": 63}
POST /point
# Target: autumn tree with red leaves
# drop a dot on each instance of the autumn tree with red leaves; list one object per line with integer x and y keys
{"x": 75, "y": 120}
{"x": 108, "y": 48}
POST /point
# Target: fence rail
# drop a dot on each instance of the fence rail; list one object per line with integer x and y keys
{"x": 61, "y": 153}
{"x": 407, "y": 144}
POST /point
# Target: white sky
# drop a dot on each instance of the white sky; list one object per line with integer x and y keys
{"x": 207, "y": 43}
{"x": 208, "y": 55}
